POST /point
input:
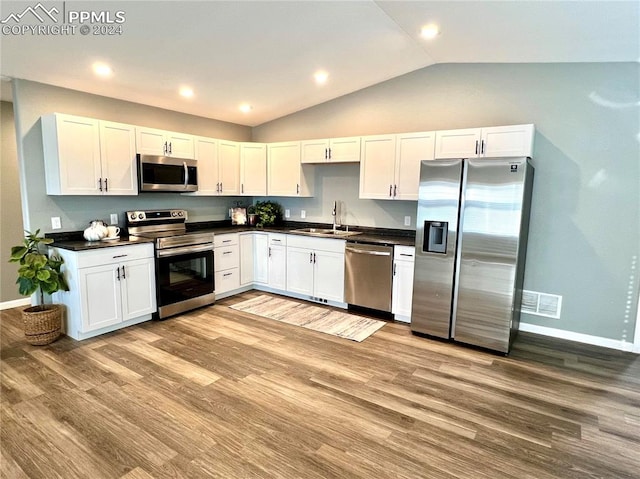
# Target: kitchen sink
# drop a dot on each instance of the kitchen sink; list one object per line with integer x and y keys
{"x": 325, "y": 232}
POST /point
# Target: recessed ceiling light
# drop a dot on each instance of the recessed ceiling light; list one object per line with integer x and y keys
{"x": 102, "y": 69}
{"x": 321, "y": 77}
{"x": 186, "y": 92}
{"x": 430, "y": 31}
{"x": 245, "y": 108}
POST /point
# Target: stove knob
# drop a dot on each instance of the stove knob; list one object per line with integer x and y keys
{"x": 179, "y": 213}
{"x": 133, "y": 216}
{"x": 174, "y": 214}
{"x": 140, "y": 215}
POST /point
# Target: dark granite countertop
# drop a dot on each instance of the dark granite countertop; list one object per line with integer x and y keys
{"x": 74, "y": 240}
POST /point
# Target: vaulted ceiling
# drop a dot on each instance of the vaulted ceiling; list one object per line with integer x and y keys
{"x": 265, "y": 53}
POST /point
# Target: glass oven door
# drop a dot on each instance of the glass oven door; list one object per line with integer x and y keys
{"x": 184, "y": 274}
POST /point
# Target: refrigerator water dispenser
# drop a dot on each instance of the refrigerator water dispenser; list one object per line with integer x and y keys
{"x": 435, "y": 238}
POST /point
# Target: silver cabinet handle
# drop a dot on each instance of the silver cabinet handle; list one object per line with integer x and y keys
{"x": 124, "y": 274}
{"x": 476, "y": 147}
{"x": 106, "y": 184}
{"x": 269, "y": 251}
{"x": 297, "y": 188}
{"x": 329, "y": 153}
{"x": 482, "y": 147}
{"x": 100, "y": 183}
{"x": 165, "y": 148}
{"x": 227, "y": 274}
{"x": 120, "y": 256}
{"x": 394, "y": 269}
{"x": 170, "y": 148}
{"x": 310, "y": 257}
{"x": 390, "y": 189}
{"x": 118, "y": 269}
{"x": 326, "y": 153}
{"x": 395, "y": 190}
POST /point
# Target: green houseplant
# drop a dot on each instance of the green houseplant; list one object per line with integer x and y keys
{"x": 39, "y": 273}
{"x": 268, "y": 212}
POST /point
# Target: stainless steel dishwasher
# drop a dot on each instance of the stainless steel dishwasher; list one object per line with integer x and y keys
{"x": 368, "y": 275}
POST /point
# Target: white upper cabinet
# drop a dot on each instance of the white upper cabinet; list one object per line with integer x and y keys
{"x": 285, "y": 174}
{"x": 150, "y": 141}
{"x": 490, "y": 142}
{"x": 118, "y": 155}
{"x": 253, "y": 169}
{"x": 333, "y": 150}
{"x": 206, "y": 154}
{"x": 218, "y": 167}
{"x": 505, "y": 141}
{"x": 390, "y": 166}
{"x": 84, "y": 156}
{"x": 229, "y": 167}
{"x": 377, "y": 167}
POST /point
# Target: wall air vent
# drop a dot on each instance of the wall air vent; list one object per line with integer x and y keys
{"x": 541, "y": 304}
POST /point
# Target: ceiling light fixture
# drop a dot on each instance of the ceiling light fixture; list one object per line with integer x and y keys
{"x": 186, "y": 92}
{"x": 102, "y": 69}
{"x": 430, "y": 31}
{"x": 245, "y": 108}
{"x": 321, "y": 77}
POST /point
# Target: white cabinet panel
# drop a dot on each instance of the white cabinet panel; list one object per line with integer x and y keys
{"x": 300, "y": 270}
{"x": 206, "y": 153}
{"x": 83, "y": 156}
{"x": 490, "y": 142}
{"x": 402, "y": 294}
{"x": 247, "y": 247}
{"x": 151, "y": 141}
{"x": 138, "y": 288}
{"x": 285, "y": 174}
{"x": 253, "y": 169}
{"x": 377, "y": 167}
{"x": 329, "y": 276}
{"x": 101, "y": 297}
{"x": 261, "y": 258}
{"x": 118, "y": 155}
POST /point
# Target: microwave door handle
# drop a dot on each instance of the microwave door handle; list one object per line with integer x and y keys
{"x": 186, "y": 174}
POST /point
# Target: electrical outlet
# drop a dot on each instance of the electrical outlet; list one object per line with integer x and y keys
{"x": 303, "y": 214}
{"x": 56, "y": 223}
{"x": 114, "y": 218}
{"x": 407, "y": 220}
{"x": 287, "y": 213}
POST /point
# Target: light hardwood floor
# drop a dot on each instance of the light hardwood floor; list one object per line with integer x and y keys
{"x": 217, "y": 393}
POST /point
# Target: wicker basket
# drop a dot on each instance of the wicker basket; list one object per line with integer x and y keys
{"x": 42, "y": 326}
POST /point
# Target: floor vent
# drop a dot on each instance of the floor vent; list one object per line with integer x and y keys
{"x": 541, "y": 304}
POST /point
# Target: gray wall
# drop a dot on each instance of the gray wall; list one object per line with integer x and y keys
{"x": 32, "y": 100}
{"x": 10, "y": 209}
{"x": 585, "y": 232}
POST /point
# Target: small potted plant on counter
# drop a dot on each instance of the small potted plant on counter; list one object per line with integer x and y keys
{"x": 41, "y": 273}
{"x": 269, "y": 213}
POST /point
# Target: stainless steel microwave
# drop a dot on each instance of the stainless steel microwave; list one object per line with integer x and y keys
{"x": 167, "y": 174}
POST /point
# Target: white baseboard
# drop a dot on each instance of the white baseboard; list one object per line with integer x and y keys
{"x": 580, "y": 338}
{"x": 16, "y": 303}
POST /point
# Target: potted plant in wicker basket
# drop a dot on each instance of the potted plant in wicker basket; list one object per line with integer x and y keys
{"x": 39, "y": 272}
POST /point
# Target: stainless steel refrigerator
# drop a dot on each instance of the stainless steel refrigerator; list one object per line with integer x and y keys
{"x": 471, "y": 241}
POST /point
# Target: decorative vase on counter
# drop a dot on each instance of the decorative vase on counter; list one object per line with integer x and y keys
{"x": 96, "y": 231}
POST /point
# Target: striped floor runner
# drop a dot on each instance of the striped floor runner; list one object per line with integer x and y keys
{"x": 317, "y": 318}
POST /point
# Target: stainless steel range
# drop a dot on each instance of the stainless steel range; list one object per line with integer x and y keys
{"x": 184, "y": 260}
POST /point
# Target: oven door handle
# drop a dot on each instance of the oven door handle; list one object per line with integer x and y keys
{"x": 163, "y": 253}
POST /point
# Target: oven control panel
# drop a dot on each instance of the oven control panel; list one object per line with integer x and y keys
{"x": 155, "y": 216}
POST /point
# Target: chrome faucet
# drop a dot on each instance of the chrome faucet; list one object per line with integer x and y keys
{"x": 334, "y": 213}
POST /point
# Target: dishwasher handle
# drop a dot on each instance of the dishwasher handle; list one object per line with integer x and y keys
{"x": 367, "y": 251}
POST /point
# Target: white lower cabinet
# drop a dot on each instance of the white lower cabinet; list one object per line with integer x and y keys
{"x": 402, "y": 294}
{"x": 109, "y": 288}
{"x": 226, "y": 263}
{"x": 261, "y": 258}
{"x": 247, "y": 269}
{"x": 315, "y": 268}
{"x": 277, "y": 261}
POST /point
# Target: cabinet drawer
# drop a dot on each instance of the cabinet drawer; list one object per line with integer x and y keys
{"x": 226, "y": 257}
{"x": 277, "y": 239}
{"x": 225, "y": 239}
{"x": 115, "y": 254}
{"x": 227, "y": 280}
{"x": 404, "y": 253}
